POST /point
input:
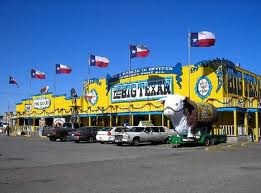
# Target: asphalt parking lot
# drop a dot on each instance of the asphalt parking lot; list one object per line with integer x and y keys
{"x": 38, "y": 165}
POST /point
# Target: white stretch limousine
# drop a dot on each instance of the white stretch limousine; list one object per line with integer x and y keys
{"x": 139, "y": 134}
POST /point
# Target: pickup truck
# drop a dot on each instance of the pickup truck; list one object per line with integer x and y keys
{"x": 62, "y": 132}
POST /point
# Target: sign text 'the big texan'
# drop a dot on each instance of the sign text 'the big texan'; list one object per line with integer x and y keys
{"x": 142, "y": 90}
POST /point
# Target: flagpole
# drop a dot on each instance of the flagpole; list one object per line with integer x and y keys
{"x": 130, "y": 121}
{"x": 189, "y": 47}
{"x": 87, "y": 85}
{"x": 54, "y": 91}
{"x": 89, "y": 70}
{"x": 30, "y": 93}
{"x": 8, "y": 96}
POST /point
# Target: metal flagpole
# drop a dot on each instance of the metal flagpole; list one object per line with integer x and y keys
{"x": 130, "y": 120}
{"x": 30, "y": 93}
{"x": 88, "y": 73}
{"x": 189, "y": 47}
{"x": 87, "y": 85}
{"x": 54, "y": 86}
{"x": 89, "y": 70}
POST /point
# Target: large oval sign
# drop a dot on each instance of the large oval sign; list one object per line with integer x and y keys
{"x": 41, "y": 103}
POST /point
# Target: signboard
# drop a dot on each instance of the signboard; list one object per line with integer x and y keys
{"x": 92, "y": 97}
{"x": 58, "y": 121}
{"x": 203, "y": 87}
{"x": 142, "y": 90}
{"x": 41, "y": 103}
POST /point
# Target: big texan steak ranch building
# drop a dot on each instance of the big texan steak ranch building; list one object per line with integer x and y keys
{"x": 133, "y": 96}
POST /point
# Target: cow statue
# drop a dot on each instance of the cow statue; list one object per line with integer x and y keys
{"x": 188, "y": 117}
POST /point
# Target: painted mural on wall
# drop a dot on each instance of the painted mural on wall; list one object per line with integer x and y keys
{"x": 141, "y": 90}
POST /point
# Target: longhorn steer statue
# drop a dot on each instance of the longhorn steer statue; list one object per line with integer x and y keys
{"x": 188, "y": 117}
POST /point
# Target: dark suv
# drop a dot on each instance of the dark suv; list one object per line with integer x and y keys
{"x": 62, "y": 132}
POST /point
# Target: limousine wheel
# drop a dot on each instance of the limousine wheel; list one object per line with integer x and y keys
{"x": 136, "y": 141}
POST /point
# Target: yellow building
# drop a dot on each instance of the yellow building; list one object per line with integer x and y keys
{"x": 132, "y": 96}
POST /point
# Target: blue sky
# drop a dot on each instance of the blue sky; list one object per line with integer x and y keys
{"x": 41, "y": 33}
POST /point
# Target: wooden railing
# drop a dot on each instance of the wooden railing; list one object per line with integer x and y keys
{"x": 229, "y": 130}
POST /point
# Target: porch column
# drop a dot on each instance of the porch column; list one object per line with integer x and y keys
{"x": 89, "y": 120}
{"x": 246, "y": 124}
{"x": 33, "y": 127}
{"x": 110, "y": 120}
{"x": 162, "y": 119}
{"x": 256, "y": 130}
{"x": 168, "y": 123}
{"x": 132, "y": 119}
{"x": 117, "y": 120}
{"x": 149, "y": 117}
{"x": 235, "y": 123}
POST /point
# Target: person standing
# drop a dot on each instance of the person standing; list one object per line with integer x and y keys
{"x": 8, "y": 128}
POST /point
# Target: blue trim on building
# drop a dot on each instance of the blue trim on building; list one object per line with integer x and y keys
{"x": 231, "y": 109}
{"x": 123, "y": 114}
{"x": 253, "y": 110}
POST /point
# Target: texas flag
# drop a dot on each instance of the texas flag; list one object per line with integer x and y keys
{"x": 12, "y": 81}
{"x": 202, "y": 39}
{"x": 37, "y": 74}
{"x": 138, "y": 51}
{"x": 63, "y": 69}
{"x": 98, "y": 61}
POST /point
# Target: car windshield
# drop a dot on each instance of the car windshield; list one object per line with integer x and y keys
{"x": 135, "y": 129}
{"x": 83, "y": 129}
{"x": 121, "y": 129}
{"x": 106, "y": 129}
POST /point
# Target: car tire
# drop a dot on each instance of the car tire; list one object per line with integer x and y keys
{"x": 90, "y": 140}
{"x": 102, "y": 142}
{"x": 63, "y": 138}
{"x": 212, "y": 142}
{"x": 119, "y": 144}
{"x": 77, "y": 141}
{"x": 136, "y": 141}
{"x": 207, "y": 142}
{"x": 52, "y": 138}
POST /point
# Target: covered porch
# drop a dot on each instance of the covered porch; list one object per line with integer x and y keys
{"x": 239, "y": 124}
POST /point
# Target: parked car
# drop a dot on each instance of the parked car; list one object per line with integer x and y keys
{"x": 139, "y": 134}
{"x": 87, "y": 133}
{"x": 47, "y": 129}
{"x": 61, "y": 132}
{"x": 107, "y": 134}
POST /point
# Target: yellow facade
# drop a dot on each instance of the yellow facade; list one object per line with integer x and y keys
{"x": 234, "y": 91}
